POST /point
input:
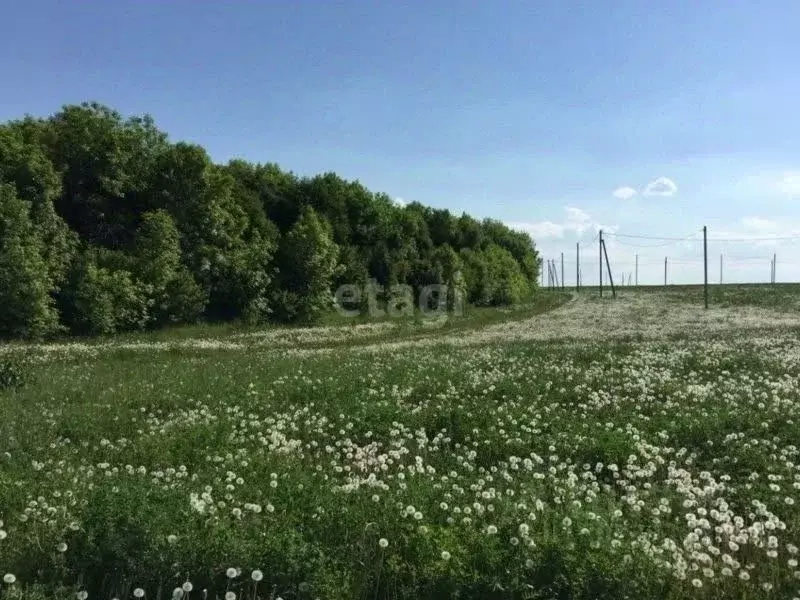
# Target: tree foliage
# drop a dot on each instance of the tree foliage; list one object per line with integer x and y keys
{"x": 27, "y": 307}
{"x": 110, "y": 226}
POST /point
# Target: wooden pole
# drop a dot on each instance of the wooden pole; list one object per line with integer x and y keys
{"x": 549, "y": 274}
{"x": 774, "y": 268}
{"x": 705, "y": 266}
{"x": 578, "y": 266}
{"x": 555, "y": 274}
{"x": 665, "y": 271}
{"x": 600, "y": 245}
{"x": 608, "y": 266}
{"x": 562, "y": 271}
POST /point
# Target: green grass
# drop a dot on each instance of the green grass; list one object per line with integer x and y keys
{"x": 587, "y": 454}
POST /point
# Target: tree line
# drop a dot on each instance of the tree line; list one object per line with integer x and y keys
{"x": 106, "y": 225}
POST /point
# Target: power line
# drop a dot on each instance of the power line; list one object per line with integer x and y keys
{"x": 710, "y": 239}
{"x": 654, "y": 237}
{"x": 753, "y": 239}
{"x": 660, "y": 245}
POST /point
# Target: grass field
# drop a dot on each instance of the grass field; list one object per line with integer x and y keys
{"x": 571, "y": 448}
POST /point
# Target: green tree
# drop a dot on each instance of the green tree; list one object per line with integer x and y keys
{"x": 99, "y": 300}
{"x": 228, "y": 251}
{"x": 24, "y": 164}
{"x": 107, "y": 165}
{"x": 307, "y": 259}
{"x": 25, "y": 285}
{"x": 508, "y": 283}
{"x": 174, "y": 294}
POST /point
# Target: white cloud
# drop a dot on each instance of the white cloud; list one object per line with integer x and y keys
{"x": 540, "y": 229}
{"x": 576, "y": 215}
{"x": 624, "y": 193}
{"x": 576, "y": 221}
{"x": 662, "y": 186}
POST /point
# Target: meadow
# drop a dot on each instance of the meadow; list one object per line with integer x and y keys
{"x": 571, "y": 448}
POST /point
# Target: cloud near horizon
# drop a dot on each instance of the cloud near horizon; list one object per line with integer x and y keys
{"x": 576, "y": 221}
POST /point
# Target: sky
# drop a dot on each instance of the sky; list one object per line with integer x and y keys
{"x": 558, "y": 117}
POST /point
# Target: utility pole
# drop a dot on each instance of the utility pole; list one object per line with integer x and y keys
{"x": 705, "y": 266}
{"x": 774, "y": 265}
{"x": 771, "y": 265}
{"x": 555, "y": 274}
{"x": 578, "y": 266}
{"x": 549, "y": 275}
{"x": 562, "y": 271}
{"x": 600, "y": 245}
{"x": 637, "y": 269}
{"x": 665, "y": 271}
{"x": 603, "y": 250}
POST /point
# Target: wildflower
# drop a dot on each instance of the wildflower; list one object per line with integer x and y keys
{"x": 383, "y": 542}
{"x": 445, "y": 555}
{"x": 230, "y": 596}
{"x": 231, "y": 573}
{"x": 257, "y": 575}
{"x": 697, "y": 583}
{"x": 491, "y": 530}
{"x": 62, "y": 547}
{"x": 177, "y": 593}
{"x": 187, "y": 587}
{"x": 3, "y": 534}
{"x": 138, "y": 593}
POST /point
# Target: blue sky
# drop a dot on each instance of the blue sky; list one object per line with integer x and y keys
{"x": 544, "y": 114}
